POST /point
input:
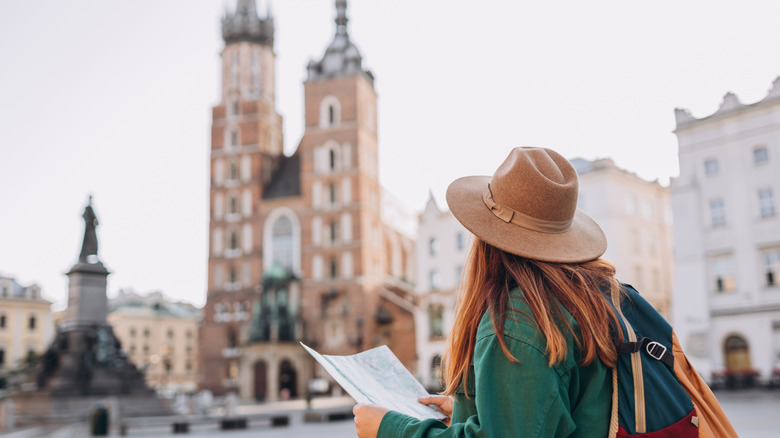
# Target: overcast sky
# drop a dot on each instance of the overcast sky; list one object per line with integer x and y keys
{"x": 112, "y": 98}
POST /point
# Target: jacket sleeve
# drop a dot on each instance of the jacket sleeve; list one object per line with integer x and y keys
{"x": 524, "y": 399}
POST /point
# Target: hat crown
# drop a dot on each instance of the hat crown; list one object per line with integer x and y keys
{"x": 537, "y": 182}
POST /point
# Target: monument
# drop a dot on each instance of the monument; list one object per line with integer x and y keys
{"x": 84, "y": 364}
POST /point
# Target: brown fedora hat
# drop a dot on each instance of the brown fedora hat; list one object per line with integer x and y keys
{"x": 529, "y": 208}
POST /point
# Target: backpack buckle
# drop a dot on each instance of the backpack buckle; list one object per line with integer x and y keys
{"x": 656, "y": 350}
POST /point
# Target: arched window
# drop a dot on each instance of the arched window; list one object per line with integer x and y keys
{"x": 737, "y": 353}
{"x": 333, "y": 232}
{"x": 233, "y": 204}
{"x": 334, "y": 268}
{"x": 332, "y": 193}
{"x": 282, "y": 241}
{"x": 332, "y": 160}
{"x": 330, "y": 112}
{"x": 233, "y": 176}
{"x": 233, "y": 239}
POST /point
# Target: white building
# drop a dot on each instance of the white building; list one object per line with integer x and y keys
{"x": 635, "y": 215}
{"x": 26, "y": 323}
{"x": 442, "y": 246}
{"x": 726, "y": 302}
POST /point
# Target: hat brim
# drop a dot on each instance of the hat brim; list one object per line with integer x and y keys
{"x": 583, "y": 242}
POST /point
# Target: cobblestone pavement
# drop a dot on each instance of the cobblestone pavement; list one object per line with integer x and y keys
{"x": 755, "y": 414}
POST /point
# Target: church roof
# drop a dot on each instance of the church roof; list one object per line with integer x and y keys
{"x": 245, "y": 25}
{"x": 287, "y": 179}
{"x": 342, "y": 57}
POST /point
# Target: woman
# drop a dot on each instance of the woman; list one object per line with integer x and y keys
{"x": 531, "y": 350}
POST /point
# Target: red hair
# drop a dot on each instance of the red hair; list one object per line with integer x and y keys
{"x": 489, "y": 277}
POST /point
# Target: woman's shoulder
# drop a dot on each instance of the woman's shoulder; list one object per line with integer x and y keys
{"x": 519, "y": 322}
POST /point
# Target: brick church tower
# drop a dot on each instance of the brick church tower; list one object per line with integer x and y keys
{"x": 306, "y": 247}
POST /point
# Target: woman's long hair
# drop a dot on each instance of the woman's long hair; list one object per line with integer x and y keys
{"x": 489, "y": 277}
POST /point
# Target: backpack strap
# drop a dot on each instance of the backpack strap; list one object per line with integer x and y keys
{"x": 654, "y": 349}
{"x": 636, "y": 369}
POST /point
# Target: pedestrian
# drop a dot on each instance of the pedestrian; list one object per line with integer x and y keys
{"x": 533, "y": 344}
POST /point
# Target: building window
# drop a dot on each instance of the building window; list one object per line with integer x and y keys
{"x": 717, "y": 213}
{"x": 233, "y": 176}
{"x": 330, "y": 110}
{"x": 235, "y": 107}
{"x": 233, "y": 204}
{"x": 760, "y": 155}
{"x": 333, "y": 232}
{"x": 772, "y": 266}
{"x": 334, "y": 268}
{"x": 433, "y": 246}
{"x": 2, "y": 321}
{"x": 460, "y": 241}
{"x": 332, "y": 193}
{"x": 434, "y": 279}
{"x": 132, "y": 332}
{"x": 233, "y": 137}
{"x": 711, "y": 167}
{"x": 631, "y": 204}
{"x": 282, "y": 241}
{"x": 436, "y": 321}
{"x": 233, "y": 239}
{"x": 2, "y": 357}
{"x": 722, "y": 274}
{"x": 146, "y": 332}
{"x": 31, "y": 323}
{"x": 170, "y": 333}
{"x": 766, "y": 202}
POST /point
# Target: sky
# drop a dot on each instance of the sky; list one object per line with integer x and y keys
{"x": 112, "y": 98}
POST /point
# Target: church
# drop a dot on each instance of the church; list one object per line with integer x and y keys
{"x": 302, "y": 248}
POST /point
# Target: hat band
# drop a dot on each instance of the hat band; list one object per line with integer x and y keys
{"x": 508, "y": 215}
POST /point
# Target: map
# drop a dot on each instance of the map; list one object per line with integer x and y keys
{"x": 377, "y": 377}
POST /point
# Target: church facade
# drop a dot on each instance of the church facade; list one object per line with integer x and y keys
{"x": 306, "y": 247}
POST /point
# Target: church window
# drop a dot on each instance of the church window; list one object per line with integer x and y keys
{"x": 234, "y": 107}
{"x": 717, "y": 212}
{"x": 233, "y": 204}
{"x": 766, "y": 202}
{"x": 282, "y": 241}
{"x": 347, "y": 265}
{"x": 233, "y": 240}
{"x": 346, "y": 227}
{"x": 247, "y": 238}
{"x": 334, "y": 268}
{"x": 330, "y": 112}
{"x": 332, "y": 160}
{"x": 332, "y": 193}
{"x": 233, "y": 137}
{"x": 760, "y": 155}
{"x": 233, "y": 278}
{"x": 333, "y": 232}
{"x": 233, "y": 170}
{"x": 31, "y": 322}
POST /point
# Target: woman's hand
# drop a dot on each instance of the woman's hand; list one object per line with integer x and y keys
{"x": 442, "y": 402}
{"x": 367, "y": 419}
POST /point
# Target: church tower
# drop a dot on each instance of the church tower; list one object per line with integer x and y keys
{"x": 301, "y": 245}
{"x": 246, "y": 149}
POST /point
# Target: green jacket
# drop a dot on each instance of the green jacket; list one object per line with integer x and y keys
{"x": 526, "y": 399}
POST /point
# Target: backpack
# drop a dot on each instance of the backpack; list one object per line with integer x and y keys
{"x": 656, "y": 391}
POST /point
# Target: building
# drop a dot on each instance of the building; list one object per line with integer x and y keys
{"x": 306, "y": 247}
{"x": 158, "y": 336}
{"x": 442, "y": 246}
{"x": 636, "y": 217}
{"x": 26, "y": 324}
{"x": 726, "y": 303}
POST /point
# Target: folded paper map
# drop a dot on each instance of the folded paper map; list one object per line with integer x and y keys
{"x": 377, "y": 377}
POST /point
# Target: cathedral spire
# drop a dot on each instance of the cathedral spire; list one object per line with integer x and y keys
{"x": 342, "y": 57}
{"x": 341, "y": 17}
{"x": 245, "y": 25}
